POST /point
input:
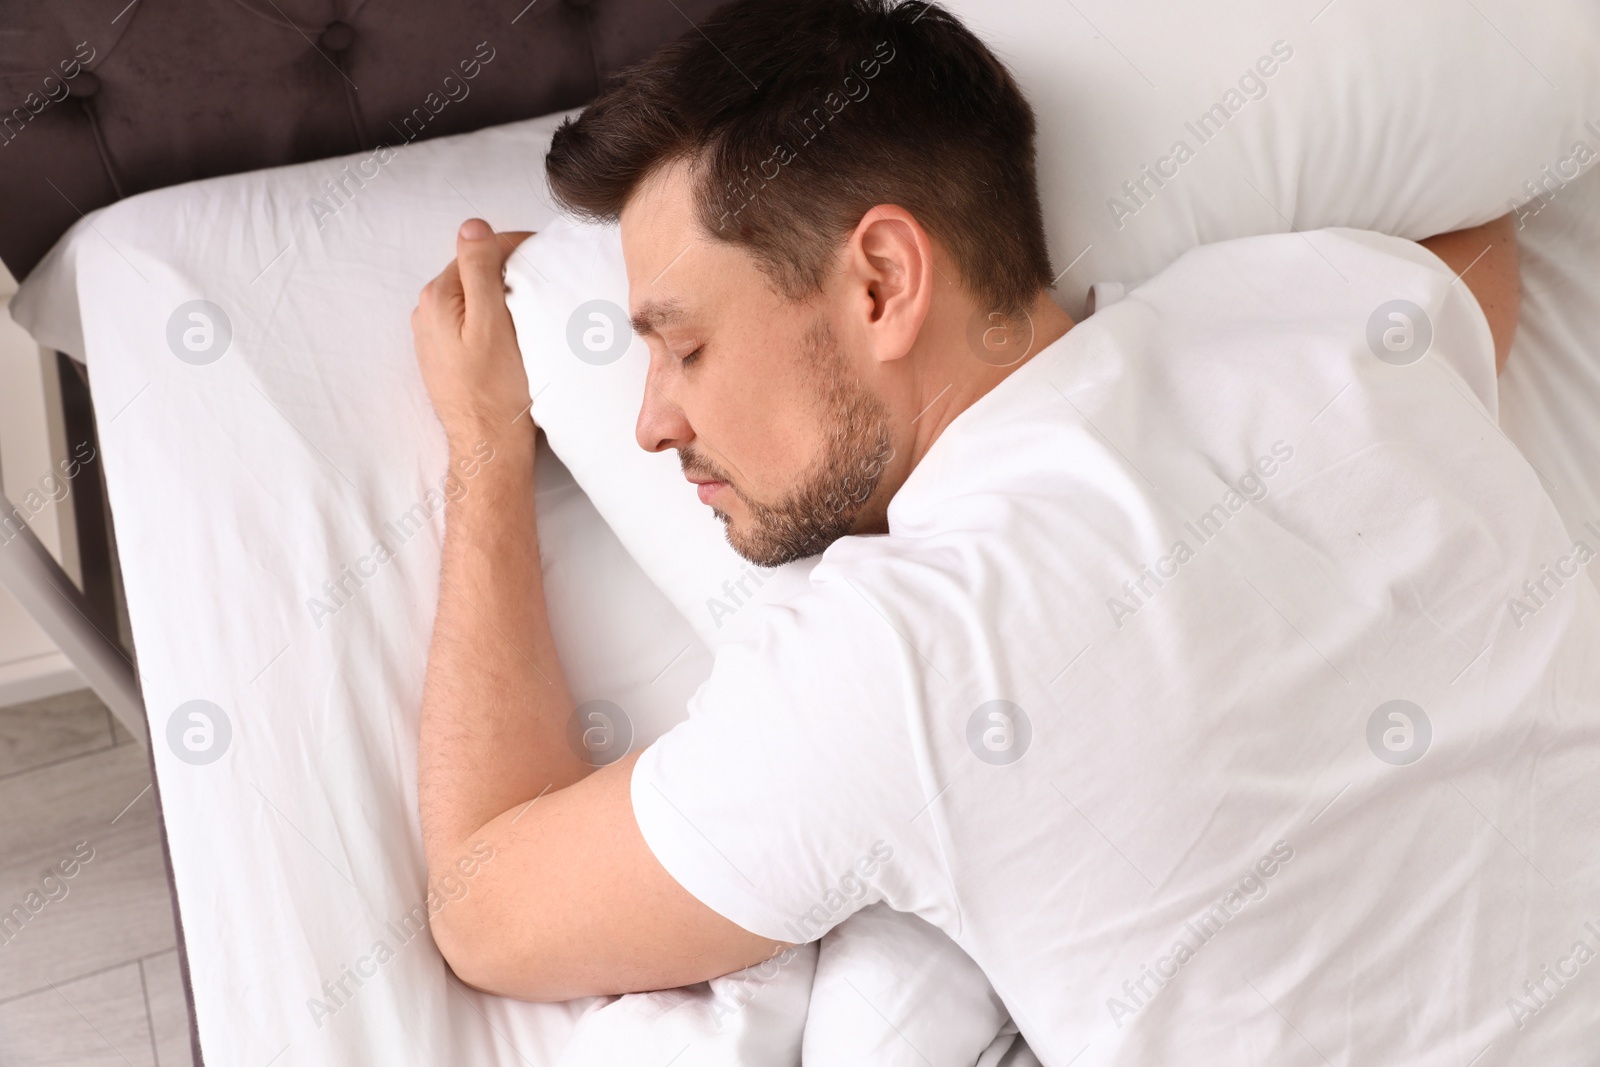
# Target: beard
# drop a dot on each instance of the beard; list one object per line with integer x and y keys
{"x": 825, "y": 506}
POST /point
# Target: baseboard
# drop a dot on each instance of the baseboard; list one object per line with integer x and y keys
{"x": 37, "y": 677}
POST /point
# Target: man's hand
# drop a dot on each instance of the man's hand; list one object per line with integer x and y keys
{"x": 466, "y": 344}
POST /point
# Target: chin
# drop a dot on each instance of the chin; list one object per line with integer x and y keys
{"x": 738, "y": 538}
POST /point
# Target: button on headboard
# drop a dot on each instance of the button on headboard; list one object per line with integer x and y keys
{"x": 98, "y": 103}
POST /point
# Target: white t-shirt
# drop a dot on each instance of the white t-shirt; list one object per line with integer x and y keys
{"x": 1195, "y": 691}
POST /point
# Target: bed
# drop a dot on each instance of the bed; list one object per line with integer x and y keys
{"x": 255, "y": 472}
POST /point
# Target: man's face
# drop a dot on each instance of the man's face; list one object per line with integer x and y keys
{"x": 769, "y": 414}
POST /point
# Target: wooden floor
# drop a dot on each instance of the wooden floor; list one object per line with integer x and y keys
{"x": 88, "y": 963}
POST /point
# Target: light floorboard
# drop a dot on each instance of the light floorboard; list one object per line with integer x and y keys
{"x": 96, "y": 1020}
{"x": 88, "y": 966}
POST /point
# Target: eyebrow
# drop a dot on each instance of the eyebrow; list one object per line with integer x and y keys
{"x": 656, "y": 313}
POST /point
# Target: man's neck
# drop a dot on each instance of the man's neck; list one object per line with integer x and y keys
{"x": 989, "y": 351}
{"x": 972, "y": 355}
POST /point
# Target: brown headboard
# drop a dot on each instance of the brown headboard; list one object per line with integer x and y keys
{"x": 100, "y": 101}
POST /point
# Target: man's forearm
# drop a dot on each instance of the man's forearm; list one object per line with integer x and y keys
{"x": 571, "y": 901}
{"x": 494, "y": 704}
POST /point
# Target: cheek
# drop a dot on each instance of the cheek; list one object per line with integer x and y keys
{"x": 758, "y": 407}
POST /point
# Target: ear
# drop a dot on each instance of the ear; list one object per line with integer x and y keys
{"x": 889, "y": 266}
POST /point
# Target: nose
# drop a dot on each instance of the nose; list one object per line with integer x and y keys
{"x": 661, "y": 424}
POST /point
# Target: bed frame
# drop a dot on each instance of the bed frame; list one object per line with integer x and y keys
{"x": 98, "y": 107}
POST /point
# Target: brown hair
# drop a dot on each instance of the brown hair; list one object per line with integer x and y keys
{"x": 798, "y": 116}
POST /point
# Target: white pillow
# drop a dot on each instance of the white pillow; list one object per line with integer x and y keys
{"x": 1408, "y": 118}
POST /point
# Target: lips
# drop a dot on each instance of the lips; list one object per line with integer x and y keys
{"x": 705, "y": 487}
{"x": 708, "y": 490}
{"x": 706, "y": 484}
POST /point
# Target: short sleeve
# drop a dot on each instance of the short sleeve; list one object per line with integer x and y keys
{"x": 781, "y": 802}
{"x": 1459, "y": 329}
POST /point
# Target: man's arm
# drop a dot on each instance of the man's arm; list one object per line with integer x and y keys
{"x": 1485, "y": 259}
{"x": 563, "y": 896}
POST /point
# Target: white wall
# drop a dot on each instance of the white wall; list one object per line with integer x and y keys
{"x": 32, "y": 444}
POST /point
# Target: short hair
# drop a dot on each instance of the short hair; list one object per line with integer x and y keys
{"x": 798, "y": 116}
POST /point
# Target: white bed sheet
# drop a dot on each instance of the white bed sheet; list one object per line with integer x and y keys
{"x": 1550, "y": 390}
{"x": 239, "y": 488}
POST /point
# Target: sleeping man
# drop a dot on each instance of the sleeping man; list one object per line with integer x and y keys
{"x": 1162, "y": 659}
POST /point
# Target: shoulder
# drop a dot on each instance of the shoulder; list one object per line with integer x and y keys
{"x": 854, "y": 638}
{"x": 834, "y": 620}
{"x": 1270, "y": 264}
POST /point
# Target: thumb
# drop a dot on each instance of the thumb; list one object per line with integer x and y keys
{"x": 481, "y": 257}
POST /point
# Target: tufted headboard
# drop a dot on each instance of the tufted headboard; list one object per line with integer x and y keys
{"x": 99, "y": 101}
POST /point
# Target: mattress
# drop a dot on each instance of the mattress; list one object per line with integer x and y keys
{"x": 248, "y": 495}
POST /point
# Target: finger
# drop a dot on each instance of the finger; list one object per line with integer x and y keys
{"x": 481, "y": 258}
{"x": 445, "y": 280}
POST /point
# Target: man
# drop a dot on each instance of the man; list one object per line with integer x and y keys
{"x": 1160, "y": 660}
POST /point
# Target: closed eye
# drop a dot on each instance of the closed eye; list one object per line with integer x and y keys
{"x": 692, "y": 356}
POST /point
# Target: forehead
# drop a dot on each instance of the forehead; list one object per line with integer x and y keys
{"x": 666, "y": 253}
{"x": 658, "y": 232}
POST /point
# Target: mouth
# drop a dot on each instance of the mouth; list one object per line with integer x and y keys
{"x": 707, "y": 488}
